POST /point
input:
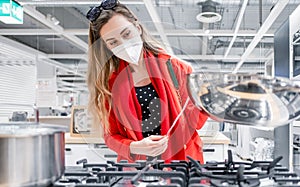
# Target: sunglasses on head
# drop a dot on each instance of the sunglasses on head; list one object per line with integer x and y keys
{"x": 95, "y": 12}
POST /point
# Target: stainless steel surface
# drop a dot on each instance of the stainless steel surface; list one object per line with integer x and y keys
{"x": 31, "y": 154}
{"x": 246, "y": 99}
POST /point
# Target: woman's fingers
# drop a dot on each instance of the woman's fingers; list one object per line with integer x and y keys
{"x": 151, "y": 146}
{"x": 159, "y": 147}
{"x": 156, "y": 137}
{"x": 160, "y": 150}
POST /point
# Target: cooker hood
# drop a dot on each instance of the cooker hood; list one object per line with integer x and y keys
{"x": 246, "y": 99}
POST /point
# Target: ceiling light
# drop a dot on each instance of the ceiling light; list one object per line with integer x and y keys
{"x": 52, "y": 19}
{"x": 55, "y": 21}
{"x": 208, "y": 14}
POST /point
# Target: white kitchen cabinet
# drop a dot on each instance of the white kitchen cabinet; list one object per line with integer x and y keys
{"x": 215, "y": 152}
{"x": 92, "y": 149}
{"x": 215, "y": 147}
{"x": 94, "y": 153}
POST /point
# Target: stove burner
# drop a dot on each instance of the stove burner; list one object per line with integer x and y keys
{"x": 233, "y": 183}
{"x": 150, "y": 179}
{"x": 179, "y": 173}
{"x": 230, "y": 173}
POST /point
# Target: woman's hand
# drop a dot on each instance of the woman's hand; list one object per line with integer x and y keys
{"x": 153, "y": 145}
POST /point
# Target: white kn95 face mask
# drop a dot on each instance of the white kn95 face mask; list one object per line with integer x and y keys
{"x": 130, "y": 50}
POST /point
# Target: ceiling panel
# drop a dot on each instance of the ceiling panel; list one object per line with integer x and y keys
{"x": 59, "y": 30}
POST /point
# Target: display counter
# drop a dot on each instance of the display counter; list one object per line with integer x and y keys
{"x": 215, "y": 147}
{"x": 56, "y": 120}
{"x": 82, "y": 140}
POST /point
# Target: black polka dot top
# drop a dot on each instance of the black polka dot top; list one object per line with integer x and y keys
{"x": 150, "y": 105}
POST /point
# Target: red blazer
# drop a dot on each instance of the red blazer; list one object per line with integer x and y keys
{"x": 125, "y": 115}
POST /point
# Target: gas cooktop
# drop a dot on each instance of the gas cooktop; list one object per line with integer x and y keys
{"x": 179, "y": 174}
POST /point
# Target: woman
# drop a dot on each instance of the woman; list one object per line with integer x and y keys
{"x": 132, "y": 92}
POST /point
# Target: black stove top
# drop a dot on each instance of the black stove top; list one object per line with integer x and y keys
{"x": 179, "y": 174}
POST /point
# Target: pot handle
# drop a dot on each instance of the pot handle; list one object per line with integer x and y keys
{"x": 34, "y": 107}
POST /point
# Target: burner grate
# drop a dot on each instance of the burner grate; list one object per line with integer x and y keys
{"x": 179, "y": 174}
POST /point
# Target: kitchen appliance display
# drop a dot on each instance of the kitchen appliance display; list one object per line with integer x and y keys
{"x": 80, "y": 121}
{"x": 179, "y": 174}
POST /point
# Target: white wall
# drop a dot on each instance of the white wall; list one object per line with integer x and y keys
{"x": 17, "y": 87}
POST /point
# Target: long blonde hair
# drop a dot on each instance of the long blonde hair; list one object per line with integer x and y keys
{"x": 102, "y": 62}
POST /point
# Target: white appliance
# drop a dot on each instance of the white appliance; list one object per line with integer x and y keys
{"x": 248, "y": 139}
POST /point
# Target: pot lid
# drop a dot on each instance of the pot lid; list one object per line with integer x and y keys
{"x": 247, "y": 99}
{"x": 24, "y": 129}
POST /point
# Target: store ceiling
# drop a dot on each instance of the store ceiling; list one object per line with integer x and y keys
{"x": 56, "y": 32}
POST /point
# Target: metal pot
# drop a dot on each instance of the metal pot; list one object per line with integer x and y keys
{"x": 31, "y": 154}
{"x": 246, "y": 99}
